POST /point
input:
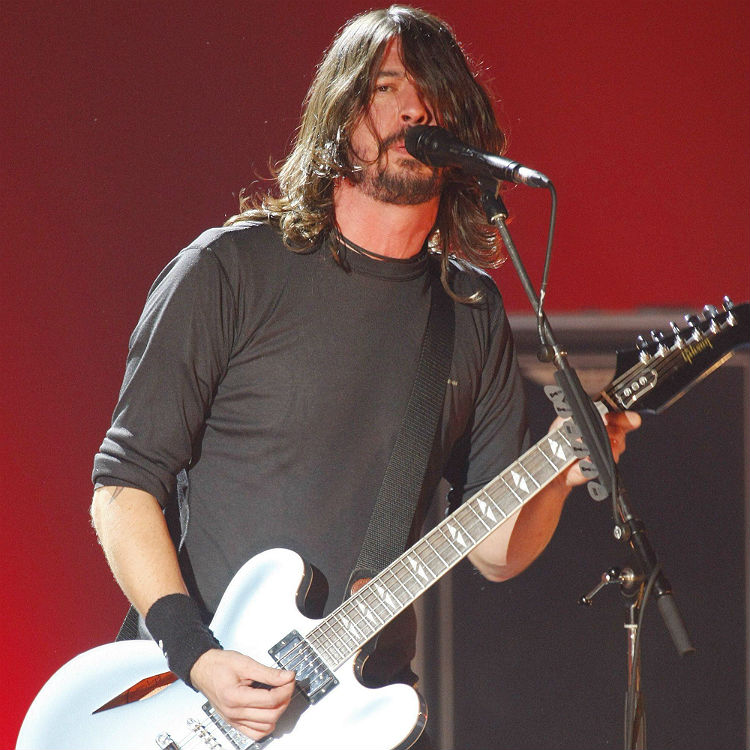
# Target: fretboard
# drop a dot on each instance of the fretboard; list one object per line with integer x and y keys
{"x": 356, "y": 621}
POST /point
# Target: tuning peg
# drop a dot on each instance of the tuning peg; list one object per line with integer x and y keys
{"x": 711, "y": 313}
{"x": 677, "y": 334}
{"x": 659, "y": 337}
{"x": 731, "y": 320}
{"x": 694, "y": 323}
{"x": 642, "y": 346}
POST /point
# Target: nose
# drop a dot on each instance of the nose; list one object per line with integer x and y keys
{"x": 414, "y": 109}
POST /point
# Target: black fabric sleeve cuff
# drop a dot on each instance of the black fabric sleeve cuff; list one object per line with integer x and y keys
{"x": 175, "y": 623}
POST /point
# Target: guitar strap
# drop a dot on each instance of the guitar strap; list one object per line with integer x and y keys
{"x": 393, "y": 514}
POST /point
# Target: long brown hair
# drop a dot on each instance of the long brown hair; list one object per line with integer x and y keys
{"x": 340, "y": 94}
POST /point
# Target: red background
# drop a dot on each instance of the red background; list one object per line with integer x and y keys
{"x": 128, "y": 128}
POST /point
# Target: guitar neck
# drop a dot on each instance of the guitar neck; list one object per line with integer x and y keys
{"x": 364, "y": 614}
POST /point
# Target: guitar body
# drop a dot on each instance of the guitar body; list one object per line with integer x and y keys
{"x": 258, "y": 609}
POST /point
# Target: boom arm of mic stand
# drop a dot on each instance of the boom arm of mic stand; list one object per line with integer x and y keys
{"x": 592, "y": 429}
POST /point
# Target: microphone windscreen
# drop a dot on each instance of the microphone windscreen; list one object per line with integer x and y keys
{"x": 413, "y": 141}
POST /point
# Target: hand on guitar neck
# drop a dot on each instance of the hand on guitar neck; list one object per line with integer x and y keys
{"x": 619, "y": 424}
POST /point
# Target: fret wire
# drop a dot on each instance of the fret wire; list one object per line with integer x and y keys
{"x": 414, "y": 567}
{"x": 361, "y": 622}
{"x": 426, "y": 554}
{"x": 438, "y": 546}
{"x": 529, "y": 475}
{"x": 450, "y": 542}
{"x": 492, "y": 500}
{"x": 494, "y": 507}
{"x": 549, "y": 460}
{"x": 411, "y": 573}
{"x": 511, "y": 499}
{"x": 315, "y": 636}
{"x": 390, "y": 572}
{"x": 440, "y": 557}
{"x": 404, "y": 583}
{"x": 465, "y": 530}
{"x": 327, "y": 655}
{"x": 362, "y": 616}
{"x": 470, "y": 505}
{"x": 341, "y": 618}
{"x": 507, "y": 484}
{"x": 422, "y": 561}
{"x": 535, "y": 462}
{"x": 351, "y": 623}
{"x": 320, "y": 631}
{"x": 370, "y": 593}
{"x": 561, "y": 434}
{"x": 391, "y": 612}
{"x": 343, "y": 635}
{"x": 369, "y": 612}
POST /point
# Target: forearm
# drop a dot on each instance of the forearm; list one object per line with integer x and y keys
{"x": 515, "y": 544}
{"x": 139, "y": 550}
{"x": 135, "y": 539}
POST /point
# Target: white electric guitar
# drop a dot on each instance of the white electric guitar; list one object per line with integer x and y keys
{"x": 118, "y": 695}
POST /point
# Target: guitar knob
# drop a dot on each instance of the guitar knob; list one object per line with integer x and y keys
{"x": 728, "y": 304}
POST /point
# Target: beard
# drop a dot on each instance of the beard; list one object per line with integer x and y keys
{"x": 405, "y": 182}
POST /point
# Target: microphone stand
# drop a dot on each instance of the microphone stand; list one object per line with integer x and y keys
{"x": 627, "y": 527}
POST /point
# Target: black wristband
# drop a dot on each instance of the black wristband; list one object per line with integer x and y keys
{"x": 175, "y": 623}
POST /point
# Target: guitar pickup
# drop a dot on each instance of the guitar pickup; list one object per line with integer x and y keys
{"x": 314, "y": 679}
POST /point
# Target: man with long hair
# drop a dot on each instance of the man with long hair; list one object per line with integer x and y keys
{"x": 270, "y": 369}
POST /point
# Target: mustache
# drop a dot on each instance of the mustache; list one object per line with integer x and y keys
{"x": 395, "y": 138}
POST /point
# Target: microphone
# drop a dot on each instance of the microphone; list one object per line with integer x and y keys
{"x": 436, "y": 147}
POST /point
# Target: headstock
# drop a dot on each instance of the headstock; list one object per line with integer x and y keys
{"x": 662, "y": 368}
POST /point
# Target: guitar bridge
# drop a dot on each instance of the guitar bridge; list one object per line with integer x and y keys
{"x": 314, "y": 678}
{"x": 235, "y": 738}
